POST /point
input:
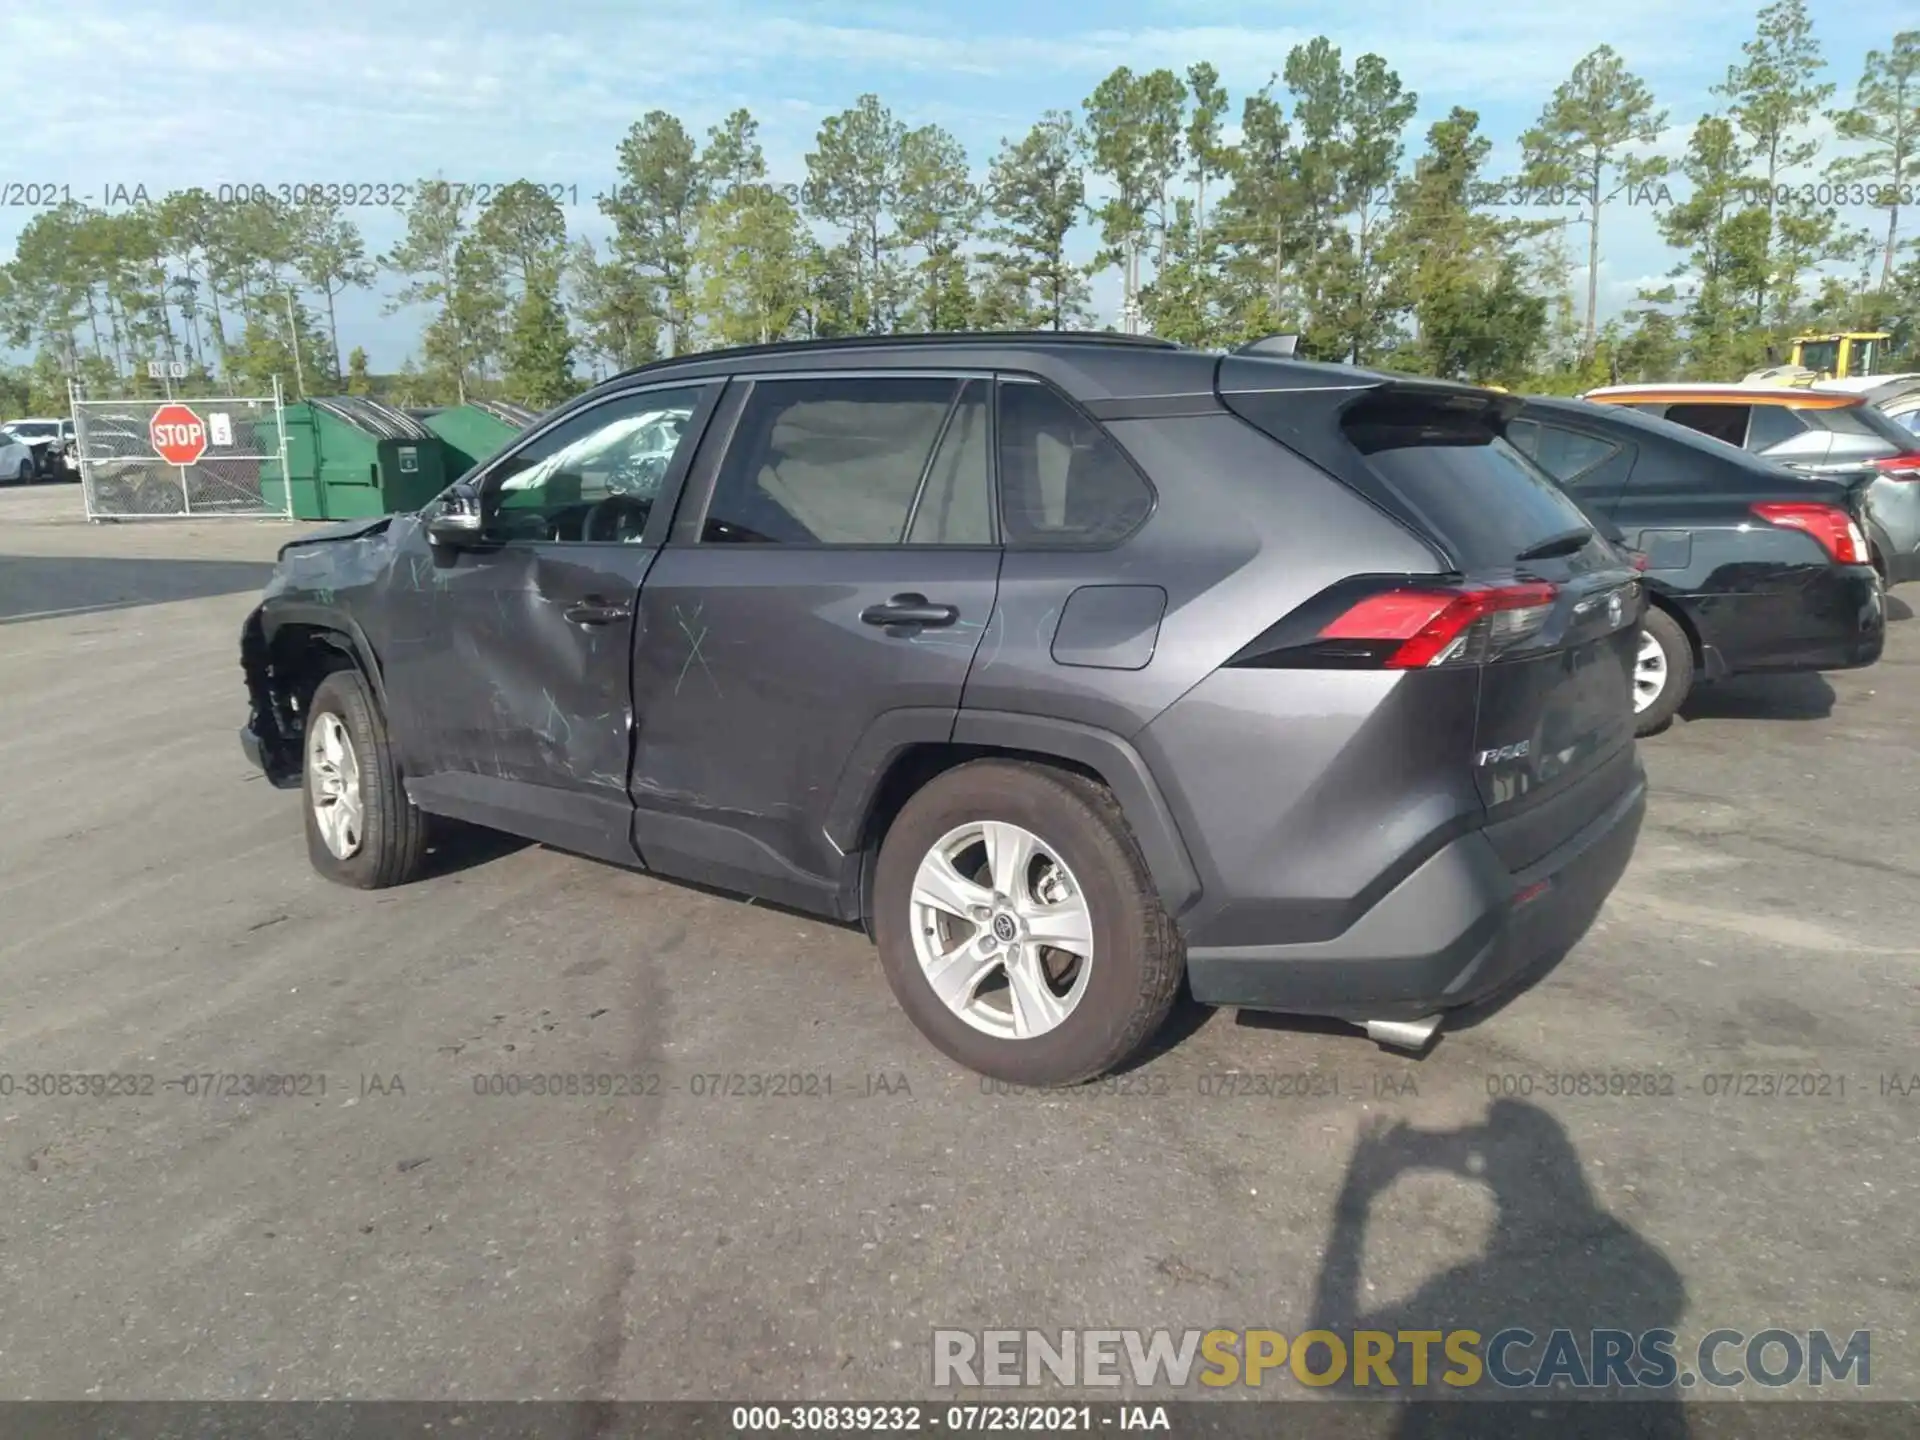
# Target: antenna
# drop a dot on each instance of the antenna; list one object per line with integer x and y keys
{"x": 1280, "y": 346}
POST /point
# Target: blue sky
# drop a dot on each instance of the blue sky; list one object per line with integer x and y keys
{"x": 170, "y": 93}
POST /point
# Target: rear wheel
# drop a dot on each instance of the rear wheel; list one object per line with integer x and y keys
{"x": 1018, "y": 926}
{"x": 362, "y": 830}
{"x": 1662, "y": 672}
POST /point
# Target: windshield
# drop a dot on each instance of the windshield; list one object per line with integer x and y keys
{"x": 34, "y": 429}
{"x": 1820, "y": 354}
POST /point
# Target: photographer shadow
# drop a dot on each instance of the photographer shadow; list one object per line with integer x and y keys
{"x": 1555, "y": 1260}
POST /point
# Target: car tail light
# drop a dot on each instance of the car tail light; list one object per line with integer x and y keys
{"x": 1900, "y": 467}
{"x": 1414, "y": 627}
{"x": 1836, "y": 531}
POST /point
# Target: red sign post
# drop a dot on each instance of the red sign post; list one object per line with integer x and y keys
{"x": 178, "y": 436}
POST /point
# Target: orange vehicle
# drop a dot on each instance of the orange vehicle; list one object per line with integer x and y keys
{"x": 1833, "y": 433}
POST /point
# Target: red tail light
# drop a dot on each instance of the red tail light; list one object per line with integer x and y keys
{"x": 1900, "y": 467}
{"x": 1833, "y": 527}
{"x": 1418, "y": 627}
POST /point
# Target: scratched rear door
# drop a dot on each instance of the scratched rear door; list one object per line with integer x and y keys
{"x": 834, "y": 559}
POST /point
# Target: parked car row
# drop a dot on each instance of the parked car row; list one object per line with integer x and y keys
{"x": 1750, "y": 565}
{"x": 1835, "y": 434}
{"x": 1072, "y": 667}
{"x": 38, "y": 450}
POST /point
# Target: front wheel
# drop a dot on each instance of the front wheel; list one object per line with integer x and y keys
{"x": 1662, "y": 672}
{"x": 25, "y": 474}
{"x": 1018, "y": 927}
{"x": 362, "y": 830}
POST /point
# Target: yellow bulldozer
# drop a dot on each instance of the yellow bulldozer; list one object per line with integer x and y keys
{"x": 1854, "y": 355}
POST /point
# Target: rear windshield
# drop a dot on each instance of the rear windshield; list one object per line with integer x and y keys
{"x": 1448, "y": 462}
{"x": 1861, "y": 420}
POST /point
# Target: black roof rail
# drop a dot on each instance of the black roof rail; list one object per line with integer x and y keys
{"x": 936, "y": 337}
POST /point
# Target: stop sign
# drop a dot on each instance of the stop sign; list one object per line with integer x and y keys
{"x": 178, "y": 436}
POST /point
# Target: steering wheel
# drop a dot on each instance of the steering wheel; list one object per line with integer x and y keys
{"x": 617, "y": 509}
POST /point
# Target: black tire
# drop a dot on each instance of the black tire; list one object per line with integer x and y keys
{"x": 25, "y": 477}
{"x": 393, "y": 839}
{"x": 1677, "y": 650}
{"x": 1137, "y": 960}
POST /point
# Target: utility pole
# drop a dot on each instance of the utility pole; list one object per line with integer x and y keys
{"x": 293, "y": 338}
{"x": 1130, "y": 299}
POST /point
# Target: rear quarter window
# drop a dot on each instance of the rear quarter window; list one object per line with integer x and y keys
{"x": 1064, "y": 482}
{"x": 1569, "y": 456}
{"x": 1773, "y": 425}
{"x": 1867, "y": 420}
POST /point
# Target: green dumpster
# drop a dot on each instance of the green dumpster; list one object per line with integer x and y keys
{"x": 475, "y": 431}
{"x": 350, "y": 457}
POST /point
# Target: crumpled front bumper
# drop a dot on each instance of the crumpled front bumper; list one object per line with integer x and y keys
{"x": 260, "y": 738}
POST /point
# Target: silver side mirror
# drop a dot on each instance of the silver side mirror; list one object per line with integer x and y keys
{"x": 455, "y": 519}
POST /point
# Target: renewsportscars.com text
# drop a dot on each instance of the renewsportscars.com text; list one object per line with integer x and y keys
{"x": 1510, "y": 1359}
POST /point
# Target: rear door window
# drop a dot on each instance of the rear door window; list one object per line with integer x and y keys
{"x": 1726, "y": 423}
{"x": 833, "y": 462}
{"x": 1448, "y": 462}
{"x": 955, "y": 506}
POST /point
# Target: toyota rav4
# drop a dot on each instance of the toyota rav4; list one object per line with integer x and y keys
{"x": 1071, "y": 667}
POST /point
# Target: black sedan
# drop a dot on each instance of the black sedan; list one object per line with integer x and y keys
{"x": 1749, "y": 566}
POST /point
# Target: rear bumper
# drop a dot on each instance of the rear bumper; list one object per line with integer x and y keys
{"x": 1838, "y": 623}
{"x": 1902, "y": 565}
{"x": 1457, "y": 931}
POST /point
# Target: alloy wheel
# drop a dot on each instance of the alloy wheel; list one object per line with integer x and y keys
{"x": 333, "y": 771}
{"x": 1002, "y": 929}
{"x": 1649, "y": 672}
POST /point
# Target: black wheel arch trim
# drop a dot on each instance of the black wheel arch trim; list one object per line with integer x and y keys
{"x": 1679, "y": 605}
{"x": 1126, "y": 774}
{"x": 1115, "y": 761}
{"x": 889, "y": 736}
{"x": 276, "y": 614}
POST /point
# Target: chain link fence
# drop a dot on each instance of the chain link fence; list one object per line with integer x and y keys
{"x": 124, "y": 478}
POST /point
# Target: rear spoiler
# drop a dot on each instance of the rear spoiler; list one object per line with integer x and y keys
{"x": 1317, "y": 396}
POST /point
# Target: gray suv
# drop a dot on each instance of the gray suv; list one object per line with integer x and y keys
{"x": 1073, "y": 667}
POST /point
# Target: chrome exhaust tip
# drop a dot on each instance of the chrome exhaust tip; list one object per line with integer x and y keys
{"x": 1412, "y": 1035}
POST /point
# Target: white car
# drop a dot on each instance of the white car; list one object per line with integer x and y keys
{"x": 50, "y": 441}
{"x": 17, "y": 463}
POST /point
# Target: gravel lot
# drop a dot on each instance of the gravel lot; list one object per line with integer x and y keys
{"x": 403, "y": 1235}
